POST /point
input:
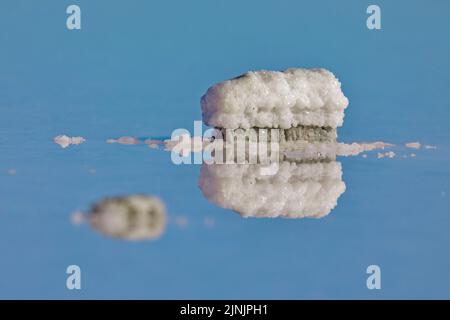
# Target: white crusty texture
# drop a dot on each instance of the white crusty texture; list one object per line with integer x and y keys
{"x": 273, "y": 99}
{"x": 303, "y": 150}
{"x": 134, "y": 217}
{"x": 294, "y": 191}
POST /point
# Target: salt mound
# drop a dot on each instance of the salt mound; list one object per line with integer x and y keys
{"x": 272, "y": 99}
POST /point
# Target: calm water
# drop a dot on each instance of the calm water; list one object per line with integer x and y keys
{"x": 138, "y": 69}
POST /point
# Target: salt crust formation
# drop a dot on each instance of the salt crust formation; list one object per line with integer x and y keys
{"x": 274, "y": 99}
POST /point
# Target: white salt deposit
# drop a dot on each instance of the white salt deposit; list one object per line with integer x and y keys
{"x": 65, "y": 141}
{"x": 296, "y": 190}
{"x": 272, "y": 99}
{"x": 153, "y": 144}
{"x": 413, "y": 145}
{"x": 390, "y": 154}
{"x": 124, "y": 140}
{"x": 181, "y": 221}
{"x": 310, "y": 150}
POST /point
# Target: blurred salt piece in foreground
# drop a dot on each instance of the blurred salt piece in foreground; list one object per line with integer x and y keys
{"x": 430, "y": 147}
{"x": 65, "y": 141}
{"x": 413, "y": 145}
{"x": 124, "y": 140}
{"x": 133, "y": 218}
{"x": 291, "y": 190}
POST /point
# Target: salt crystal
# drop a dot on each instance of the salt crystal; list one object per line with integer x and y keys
{"x": 413, "y": 145}
{"x": 65, "y": 141}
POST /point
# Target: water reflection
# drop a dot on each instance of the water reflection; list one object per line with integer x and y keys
{"x": 305, "y": 182}
{"x": 295, "y": 189}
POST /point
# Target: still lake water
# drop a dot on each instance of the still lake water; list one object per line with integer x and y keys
{"x": 139, "y": 69}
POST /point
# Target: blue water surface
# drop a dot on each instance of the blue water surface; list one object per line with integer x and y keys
{"x": 139, "y": 68}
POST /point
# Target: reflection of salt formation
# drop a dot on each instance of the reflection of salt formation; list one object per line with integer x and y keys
{"x": 134, "y": 217}
{"x": 294, "y": 190}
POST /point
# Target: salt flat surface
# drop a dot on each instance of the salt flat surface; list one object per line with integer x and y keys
{"x": 139, "y": 70}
